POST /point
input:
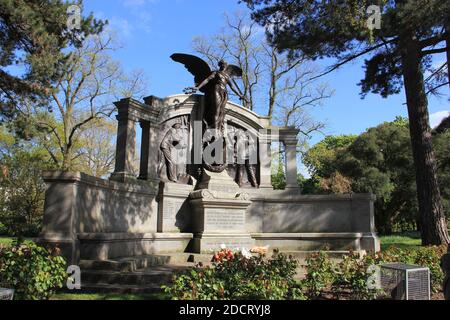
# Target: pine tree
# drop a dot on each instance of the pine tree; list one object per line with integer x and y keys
{"x": 33, "y": 36}
{"x": 398, "y": 54}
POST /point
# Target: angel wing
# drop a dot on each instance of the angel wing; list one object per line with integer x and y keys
{"x": 199, "y": 68}
{"x": 234, "y": 71}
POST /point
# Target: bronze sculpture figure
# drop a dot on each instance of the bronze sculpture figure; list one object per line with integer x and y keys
{"x": 214, "y": 84}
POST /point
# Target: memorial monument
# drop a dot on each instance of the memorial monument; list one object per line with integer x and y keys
{"x": 204, "y": 181}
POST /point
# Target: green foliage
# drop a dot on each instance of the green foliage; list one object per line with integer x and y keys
{"x": 32, "y": 271}
{"x": 21, "y": 187}
{"x": 353, "y": 277}
{"x": 442, "y": 149}
{"x": 320, "y": 274}
{"x": 320, "y": 159}
{"x": 378, "y": 161}
{"x": 33, "y": 37}
{"x": 279, "y": 181}
{"x": 239, "y": 277}
{"x": 350, "y": 278}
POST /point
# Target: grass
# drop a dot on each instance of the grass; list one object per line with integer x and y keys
{"x": 98, "y": 297}
{"x": 5, "y": 241}
{"x": 407, "y": 240}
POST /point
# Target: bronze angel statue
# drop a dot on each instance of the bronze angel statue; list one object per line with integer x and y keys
{"x": 213, "y": 84}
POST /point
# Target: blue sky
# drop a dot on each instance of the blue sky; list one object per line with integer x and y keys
{"x": 151, "y": 30}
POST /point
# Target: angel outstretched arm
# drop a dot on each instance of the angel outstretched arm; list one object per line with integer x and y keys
{"x": 205, "y": 82}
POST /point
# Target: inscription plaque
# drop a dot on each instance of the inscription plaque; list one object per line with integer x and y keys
{"x": 224, "y": 220}
{"x": 171, "y": 217}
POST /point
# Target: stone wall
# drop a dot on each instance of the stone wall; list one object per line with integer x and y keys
{"x": 304, "y": 222}
{"x": 96, "y": 219}
{"x": 79, "y": 204}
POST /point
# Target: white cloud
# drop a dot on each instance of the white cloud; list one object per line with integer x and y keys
{"x": 121, "y": 26}
{"x": 140, "y": 11}
{"x": 436, "y": 118}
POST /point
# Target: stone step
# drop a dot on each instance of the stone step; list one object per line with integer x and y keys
{"x": 120, "y": 289}
{"x": 126, "y": 264}
{"x": 180, "y": 258}
{"x": 301, "y": 256}
{"x": 145, "y": 277}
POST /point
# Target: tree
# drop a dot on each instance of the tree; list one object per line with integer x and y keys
{"x": 283, "y": 86}
{"x": 33, "y": 36}
{"x": 320, "y": 160}
{"x": 97, "y": 148}
{"x": 22, "y": 190}
{"x": 83, "y": 95}
{"x": 399, "y": 54}
{"x": 377, "y": 161}
{"x": 442, "y": 146}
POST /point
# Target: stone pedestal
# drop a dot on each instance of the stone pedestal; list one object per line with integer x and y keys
{"x": 219, "y": 214}
{"x": 173, "y": 207}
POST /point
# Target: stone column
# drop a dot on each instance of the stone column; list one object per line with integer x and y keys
{"x": 126, "y": 147}
{"x": 291, "y": 164}
{"x": 152, "y": 171}
{"x": 265, "y": 159}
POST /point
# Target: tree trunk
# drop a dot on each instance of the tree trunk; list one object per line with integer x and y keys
{"x": 447, "y": 42}
{"x": 433, "y": 222}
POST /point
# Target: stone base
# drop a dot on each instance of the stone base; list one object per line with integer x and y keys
{"x": 219, "y": 214}
{"x": 209, "y": 243}
{"x": 217, "y": 182}
{"x": 107, "y": 246}
{"x": 173, "y": 207}
{"x": 316, "y": 241}
{"x": 213, "y": 214}
{"x": 123, "y": 177}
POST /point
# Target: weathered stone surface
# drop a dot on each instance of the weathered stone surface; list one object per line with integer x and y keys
{"x": 217, "y": 182}
{"x": 76, "y": 203}
{"x": 310, "y": 241}
{"x": 288, "y": 212}
{"x": 104, "y": 246}
{"x": 208, "y": 243}
{"x": 173, "y": 207}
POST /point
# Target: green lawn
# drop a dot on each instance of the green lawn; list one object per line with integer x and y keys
{"x": 5, "y": 241}
{"x": 407, "y": 240}
{"x": 86, "y": 296}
